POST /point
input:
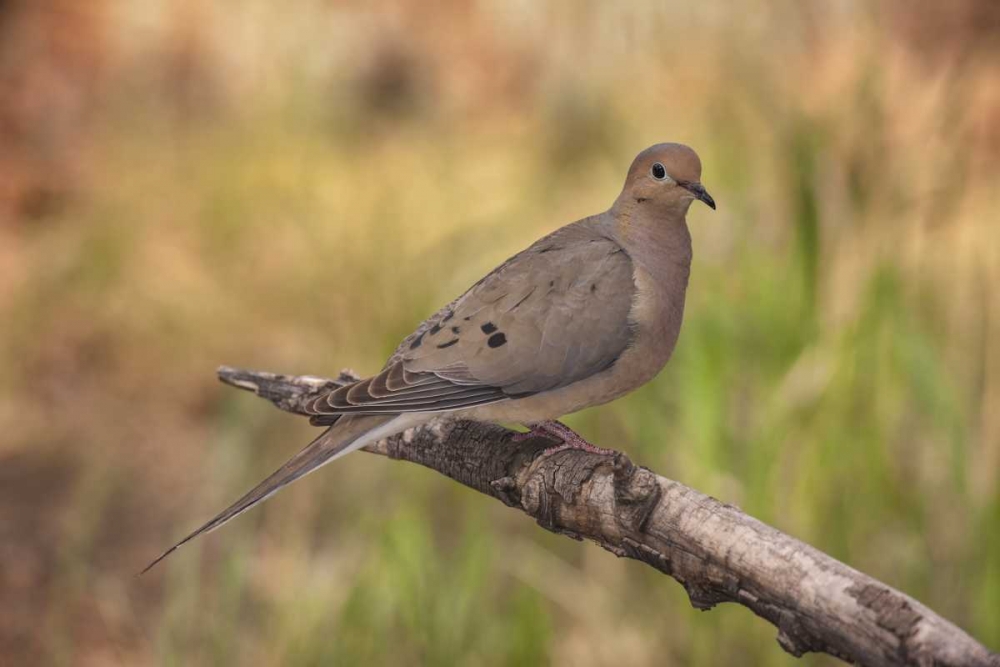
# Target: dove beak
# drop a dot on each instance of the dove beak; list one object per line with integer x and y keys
{"x": 699, "y": 192}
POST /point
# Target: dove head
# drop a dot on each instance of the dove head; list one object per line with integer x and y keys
{"x": 664, "y": 178}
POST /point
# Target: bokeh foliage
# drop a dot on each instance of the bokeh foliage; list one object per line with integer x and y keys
{"x": 293, "y": 186}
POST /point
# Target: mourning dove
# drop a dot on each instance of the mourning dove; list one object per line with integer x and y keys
{"x": 582, "y": 316}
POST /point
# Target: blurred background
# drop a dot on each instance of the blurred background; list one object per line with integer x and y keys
{"x": 276, "y": 185}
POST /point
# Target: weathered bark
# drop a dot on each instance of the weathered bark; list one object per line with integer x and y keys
{"x": 718, "y": 553}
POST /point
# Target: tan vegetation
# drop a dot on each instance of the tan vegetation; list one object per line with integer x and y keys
{"x": 270, "y": 185}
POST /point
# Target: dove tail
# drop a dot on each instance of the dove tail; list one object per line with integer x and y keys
{"x": 349, "y": 434}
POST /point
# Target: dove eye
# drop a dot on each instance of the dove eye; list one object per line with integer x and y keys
{"x": 658, "y": 171}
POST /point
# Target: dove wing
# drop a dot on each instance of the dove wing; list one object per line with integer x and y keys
{"x": 555, "y": 313}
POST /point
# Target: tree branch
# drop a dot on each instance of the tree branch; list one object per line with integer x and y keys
{"x": 718, "y": 553}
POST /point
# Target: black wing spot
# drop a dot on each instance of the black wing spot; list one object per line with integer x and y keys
{"x": 455, "y": 330}
{"x": 417, "y": 341}
{"x": 496, "y": 340}
{"x": 448, "y": 344}
{"x": 435, "y": 328}
{"x": 552, "y": 283}
{"x": 593, "y": 288}
{"x": 488, "y": 328}
{"x": 450, "y": 315}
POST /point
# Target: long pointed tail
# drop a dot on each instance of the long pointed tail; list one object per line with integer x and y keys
{"x": 344, "y": 437}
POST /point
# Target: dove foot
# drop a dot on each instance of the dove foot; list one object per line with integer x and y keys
{"x": 559, "y": 431}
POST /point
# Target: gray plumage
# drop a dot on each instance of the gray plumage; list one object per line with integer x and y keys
{"x": 582, "y": 316}
{"x": 548, "y": 305}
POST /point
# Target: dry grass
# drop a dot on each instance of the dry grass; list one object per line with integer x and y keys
{"x": 293, "y": 187}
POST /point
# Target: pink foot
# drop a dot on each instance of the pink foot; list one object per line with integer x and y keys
{"x": 521, "y": 437}
{"x": 559, "y": 431}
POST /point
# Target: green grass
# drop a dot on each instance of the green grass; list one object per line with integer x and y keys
{"x": 833, "y": 377}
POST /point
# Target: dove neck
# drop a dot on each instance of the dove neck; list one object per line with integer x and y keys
{"x": 659, "y": 243}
